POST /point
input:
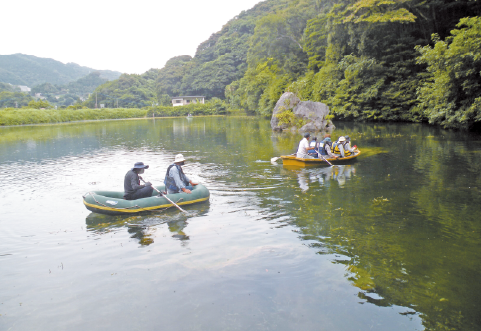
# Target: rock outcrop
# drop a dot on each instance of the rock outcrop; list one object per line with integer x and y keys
{"x": 314, "y": 113}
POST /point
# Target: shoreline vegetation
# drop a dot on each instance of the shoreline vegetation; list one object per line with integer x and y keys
{"x": 28, "y": 116}
{"x": 368, "y": 61}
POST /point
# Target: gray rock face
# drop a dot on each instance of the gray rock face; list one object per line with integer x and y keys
{"x": 287, "y": 101}
{"x": 313, "y": 112}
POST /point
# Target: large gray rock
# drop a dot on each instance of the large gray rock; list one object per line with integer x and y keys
{"x": 313, "y": 112}
{"x": 287, "y": 101}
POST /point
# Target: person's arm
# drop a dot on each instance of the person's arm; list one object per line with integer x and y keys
{"x": 134, "y": 182}
{"x": 306, "y": 145}
{"x": 328, "y": 150}
{"x": 174, "y": 173}
{"x": 341, "y": 149}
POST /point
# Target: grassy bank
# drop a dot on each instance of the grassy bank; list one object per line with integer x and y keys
{"x": 12, "y": 116}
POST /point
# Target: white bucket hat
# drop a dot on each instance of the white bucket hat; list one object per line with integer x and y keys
{"x": 179, "y": 158}
{"x": 342, "y": 139}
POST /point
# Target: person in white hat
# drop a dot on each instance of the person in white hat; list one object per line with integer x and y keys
{"x": 342, "y": 146}
{"x": 175, "y": 180}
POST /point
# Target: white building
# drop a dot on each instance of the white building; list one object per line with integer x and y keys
{"x": 185, "y": 100}
{"x": 24, "y": 88}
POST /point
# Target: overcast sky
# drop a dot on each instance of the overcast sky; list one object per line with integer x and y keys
{"x": 126, "y": 36}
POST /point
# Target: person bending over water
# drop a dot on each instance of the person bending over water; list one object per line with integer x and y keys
{"x": 132, "y": 188}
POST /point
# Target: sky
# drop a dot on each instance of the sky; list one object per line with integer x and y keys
{"x": 126, "y": 36}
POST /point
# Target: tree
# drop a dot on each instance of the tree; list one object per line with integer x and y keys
{"x": 14, "y": 99}
{"x": 39, "y": 104}
{"x": 451, "y": 93}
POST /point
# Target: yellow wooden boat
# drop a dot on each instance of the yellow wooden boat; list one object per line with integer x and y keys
{"x": 292, "y": 160}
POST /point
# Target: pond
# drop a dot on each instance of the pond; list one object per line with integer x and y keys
{"x": 388, "y": 242}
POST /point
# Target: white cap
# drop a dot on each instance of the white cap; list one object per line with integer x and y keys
{"x": 179, "y": 158}
{"x": 342, "y": 139}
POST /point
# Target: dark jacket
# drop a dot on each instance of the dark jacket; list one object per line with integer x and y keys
{"x": 131, "y": 183}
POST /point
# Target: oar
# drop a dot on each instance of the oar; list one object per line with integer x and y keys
{"x": 322, "y": 157}
{"x": 165, "y": 196}
{"x": 275, "y": 158}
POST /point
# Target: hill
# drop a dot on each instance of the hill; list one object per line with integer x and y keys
{"x": 373, "y": 60}
{"x": 21, "y": 69}
{"x": 218, "y": 61}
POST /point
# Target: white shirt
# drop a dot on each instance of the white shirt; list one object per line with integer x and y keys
{"x": 302, "y": 150}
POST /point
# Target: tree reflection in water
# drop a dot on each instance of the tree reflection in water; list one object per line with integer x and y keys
{"x": 324, "y": 175}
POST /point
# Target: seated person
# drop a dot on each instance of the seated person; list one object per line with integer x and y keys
{"x": 325, "y": 148}
{"x": 175, "y": 180}
{"x": 304, "y": 147}
{"x": 132, "y": 188}
{"x": 312, "y": 151}
{"x": 343, "y": 147}
{"x": 347, "y": 145}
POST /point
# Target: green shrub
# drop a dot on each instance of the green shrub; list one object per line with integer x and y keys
{"x": 286, "y": 116}
{"x": 214, "y": 106}
{"x": 39, "y": 116}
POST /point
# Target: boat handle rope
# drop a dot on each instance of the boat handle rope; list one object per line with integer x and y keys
{"x": 93, "y": 197}
{"x": 99, "y": 203}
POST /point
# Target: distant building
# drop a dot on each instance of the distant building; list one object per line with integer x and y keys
{"x": 185, "y": 100}
{"x": 24, "y": 88}
{"x": 39, "y": 96}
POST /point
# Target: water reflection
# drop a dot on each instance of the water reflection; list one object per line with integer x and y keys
{"x": 324, "y": 176}
{"x": 402, "y": 224}
{"x": 144, "y": 227}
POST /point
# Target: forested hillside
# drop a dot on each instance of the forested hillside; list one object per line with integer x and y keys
{"x": 389, "y": 60}
{"x": 218, "y": 61}
{"x": 129, "y": 91}
{"x": 21, "y": 69}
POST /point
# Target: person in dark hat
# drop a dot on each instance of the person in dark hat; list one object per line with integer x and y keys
{"x": 304, "y": 147}
{"x": 132, "y": 187}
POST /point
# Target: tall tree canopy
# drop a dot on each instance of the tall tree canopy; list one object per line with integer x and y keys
{"x": 366, "y": 59}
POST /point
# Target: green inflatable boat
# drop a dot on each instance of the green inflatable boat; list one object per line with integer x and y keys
{"x": 112, "y": 202}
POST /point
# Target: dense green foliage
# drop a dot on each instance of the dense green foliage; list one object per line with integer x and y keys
{"x": 4, "y": 87}
{"x": 86, "y": 84}
{"x": 21, "y": 69}
{"x": 361, "y": 60}
{"x": 14, "y": 99}
{"x": 12, "y": 116}
{"x": 68, "y": 94}
{"x": 40, "y": 111}
{"x": 39, "y": 104}
{"x": 366, "y": 59}
{"x": 214, "y": 107}
{"x": 218, "y": 61}
{"x": 451, "y": 94}
{"x": 129, "y": 91}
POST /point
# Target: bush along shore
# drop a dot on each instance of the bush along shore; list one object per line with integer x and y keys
{"x": 213, "y": 107}
{"x": 22, "y": 116}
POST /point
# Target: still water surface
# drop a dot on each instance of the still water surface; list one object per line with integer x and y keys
{"x": 390, "y": 242}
